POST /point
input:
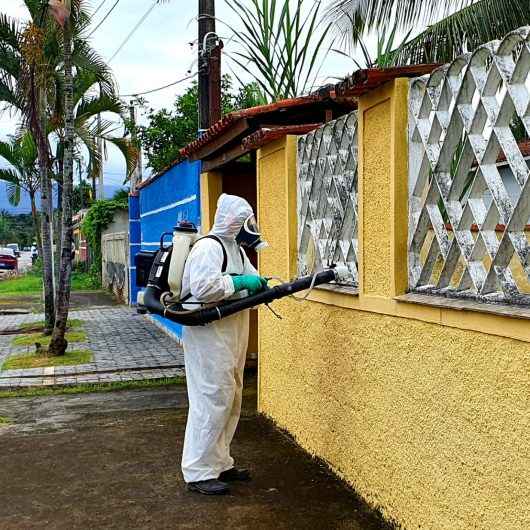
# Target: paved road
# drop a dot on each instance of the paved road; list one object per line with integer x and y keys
{"x": 24, "y": 262}
{"x": 112, "y": 461}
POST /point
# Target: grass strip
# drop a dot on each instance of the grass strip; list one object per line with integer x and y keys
{"x": 44, "y": 340}
{"x": 93, "y": 388}
{"x": 74, "y": 323}
{"x": 70, "y": 358}
{"x": 31, "y": 283}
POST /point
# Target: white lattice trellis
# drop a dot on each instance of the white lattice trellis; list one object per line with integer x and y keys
{"x": 466, "y": 229}
{"x": 327, "y": 196}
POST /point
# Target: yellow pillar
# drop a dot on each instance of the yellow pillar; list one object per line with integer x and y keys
{"x": 211, "y": 189}
{"x": 383, "y": 175}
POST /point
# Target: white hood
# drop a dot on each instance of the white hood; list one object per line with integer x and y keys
{"x": 232, "y": 212}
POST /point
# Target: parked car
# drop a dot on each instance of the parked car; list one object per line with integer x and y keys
{"x": 8, "y": 259}
{"x": 15, "y": 248}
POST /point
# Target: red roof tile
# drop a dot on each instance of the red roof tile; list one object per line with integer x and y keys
{"x": 222, "y": 125}
{"x": 355, "y": 85}
{"x": 362, "y": 81}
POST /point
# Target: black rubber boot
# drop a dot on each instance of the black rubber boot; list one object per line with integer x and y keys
{"x": 235, "y": 474}
{"x": 209, "y": 487}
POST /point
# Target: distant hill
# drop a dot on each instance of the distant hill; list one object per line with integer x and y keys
{"x": 25, "y": 207}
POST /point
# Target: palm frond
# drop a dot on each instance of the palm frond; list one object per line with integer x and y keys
{"x": 9, "y": 175}
{"x": 463, "y": 31}
{"x": 9, "y": 32}
{"x": 87, "y": 59}
{"x": 280, "y": 44}
{"x": 13, "y": 193}
{"x": 129, "y": 152}
{"x": 90, "y": 107}
{"x": 378, "y": 14}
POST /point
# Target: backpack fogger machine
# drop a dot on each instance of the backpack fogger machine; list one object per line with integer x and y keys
{"x": 160, "y": 272}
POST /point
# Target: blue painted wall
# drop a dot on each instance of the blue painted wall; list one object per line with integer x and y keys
{"x": 172, "y": 197}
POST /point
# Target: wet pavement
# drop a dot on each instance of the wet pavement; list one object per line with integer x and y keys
{"x": 111, "y": 461}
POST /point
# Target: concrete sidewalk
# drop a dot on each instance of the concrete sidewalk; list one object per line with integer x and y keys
{"x": 111, "y": 461}
{"x": 126, "y": 347}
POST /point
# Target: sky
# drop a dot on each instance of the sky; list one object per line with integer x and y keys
{"x": 158, "y": 53}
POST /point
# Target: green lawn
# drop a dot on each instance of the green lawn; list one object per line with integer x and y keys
{"x": 44, "y": 340}
{"x": 32, "y": 283}
{"x": 70, "y": 358}
{"x": 84, "y": 389}
{"x": 73, "y": 323}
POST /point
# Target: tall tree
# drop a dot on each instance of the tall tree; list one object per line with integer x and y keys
{"x": 32, "y": 85}
{"x": 169, "y": 130}
{"x": 58, "y": 344}
{"x": 21, "y": 154}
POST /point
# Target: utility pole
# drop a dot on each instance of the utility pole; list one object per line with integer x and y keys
{"x": 209, "y": 67}
{"x": 137, "y": 176}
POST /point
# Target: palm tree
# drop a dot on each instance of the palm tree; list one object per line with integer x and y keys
{"x": 453, "y": 26}
{"x": 33, "y": 83}
{"x": 23, "y": 174}
{"x": 58, "y": 343}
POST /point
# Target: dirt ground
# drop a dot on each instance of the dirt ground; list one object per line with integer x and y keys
{"x": 111, "y": 461}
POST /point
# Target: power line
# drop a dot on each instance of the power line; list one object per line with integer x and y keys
{"x": 104, "y": 18}
{"x": 159, "y": 88}
{"x": 133, "y": 31}
{"x": 99, "y": 7}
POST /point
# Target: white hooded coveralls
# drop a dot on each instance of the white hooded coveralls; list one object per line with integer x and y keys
{"x": 215, "y": 353}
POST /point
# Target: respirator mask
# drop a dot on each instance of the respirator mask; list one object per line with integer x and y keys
{"x": 249, "y": 236}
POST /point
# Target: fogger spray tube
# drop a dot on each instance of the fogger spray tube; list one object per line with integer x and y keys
{"x": 205, "y": 315}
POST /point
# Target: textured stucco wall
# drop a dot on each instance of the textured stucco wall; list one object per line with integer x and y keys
{"x": 428, "y": 423}
{"x": 377, "y": 227}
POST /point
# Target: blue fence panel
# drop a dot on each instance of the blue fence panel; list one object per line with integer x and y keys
{"x": 170, "y": 198}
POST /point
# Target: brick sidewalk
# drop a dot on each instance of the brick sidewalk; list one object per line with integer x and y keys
{"x": 126, "y": 347}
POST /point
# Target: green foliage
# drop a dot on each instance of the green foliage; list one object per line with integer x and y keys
{"x": 17, "y": 229}
{"x": 70, "y": 358}
{"x": 85, "y": 281}
{"x": 5, "y": 229}
{"x": 4, "y": 420}
{"x": 169, "y": 130}
{"x": 121, "y": 196}
{"x": 98, "y": 217}
{"x": 44, "y": 340}
{"x": 81, "y": 196}
{"x": 452, "y": 27}
{"x": 281, "y": 42}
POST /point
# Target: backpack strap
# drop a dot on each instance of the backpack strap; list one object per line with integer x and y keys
{"x": 225, "y": 258}
{"x": 225, "y": 255}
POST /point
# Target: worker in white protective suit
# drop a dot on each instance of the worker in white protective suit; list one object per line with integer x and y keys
{"x": 218, "y": 269}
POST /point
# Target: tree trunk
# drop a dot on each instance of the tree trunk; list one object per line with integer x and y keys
{"x": 58, "y": 226}
{"x": 35, "y": 218}
{"x": 47, "y": 215}
{"x": 58, "y": 342}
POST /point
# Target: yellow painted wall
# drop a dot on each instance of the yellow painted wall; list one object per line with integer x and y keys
{"x": 424, "y": 411}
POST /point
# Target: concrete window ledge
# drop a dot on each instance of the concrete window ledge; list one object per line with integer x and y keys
{"x": 342, "y": 289}
{"x": 512, "y": 311}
